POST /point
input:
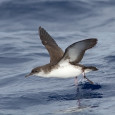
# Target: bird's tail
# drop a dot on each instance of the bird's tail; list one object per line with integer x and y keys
{"x": 90, "y": 68}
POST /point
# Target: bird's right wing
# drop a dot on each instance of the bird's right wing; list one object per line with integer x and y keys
{"x": 74, "y": 53}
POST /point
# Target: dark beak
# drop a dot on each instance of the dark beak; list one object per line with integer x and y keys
{"x": 29, "y": 75}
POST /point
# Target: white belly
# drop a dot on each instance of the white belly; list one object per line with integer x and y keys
{"x": 64, "y": 71}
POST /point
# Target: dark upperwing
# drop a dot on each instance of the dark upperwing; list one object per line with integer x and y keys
{"x": 54, "y": 50}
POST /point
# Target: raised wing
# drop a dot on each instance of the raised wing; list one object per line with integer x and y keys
{"x": 76, "y": 51}
{"x": 54, "y": 50}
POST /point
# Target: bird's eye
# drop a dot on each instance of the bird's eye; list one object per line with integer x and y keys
{"x": 34, "y": 71}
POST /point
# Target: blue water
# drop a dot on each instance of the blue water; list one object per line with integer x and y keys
{"x": 21, "y": 50}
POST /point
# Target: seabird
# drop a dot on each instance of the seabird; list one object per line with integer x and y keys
{"x": 64, "y": 64}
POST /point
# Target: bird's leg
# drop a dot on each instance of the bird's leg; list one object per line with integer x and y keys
{"x": 76, "y": 81}
{"x": 87, "y": 78}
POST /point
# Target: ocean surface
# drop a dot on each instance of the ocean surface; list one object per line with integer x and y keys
{"x": 67, "y": 21}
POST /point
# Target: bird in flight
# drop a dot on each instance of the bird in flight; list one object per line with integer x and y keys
{"x": 64, "y": 64}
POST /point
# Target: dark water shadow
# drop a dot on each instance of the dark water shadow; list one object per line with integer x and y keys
{"x": 88, "y": 91}
{"x": 83, "y": 91}
{"x": 87, "y": 85}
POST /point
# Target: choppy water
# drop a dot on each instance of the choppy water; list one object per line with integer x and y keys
{"x": 21, "y": 50}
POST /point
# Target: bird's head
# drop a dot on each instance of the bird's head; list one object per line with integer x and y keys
{"x": 34, "y": 72}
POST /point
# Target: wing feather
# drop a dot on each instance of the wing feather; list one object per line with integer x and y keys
{"x": 75, "y": 52}
{"x": 54, "y": 50}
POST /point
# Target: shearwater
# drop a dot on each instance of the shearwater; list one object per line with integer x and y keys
{"x": 64, "y": 64}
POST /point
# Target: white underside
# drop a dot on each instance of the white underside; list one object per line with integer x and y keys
{"x": 65, "y": 70}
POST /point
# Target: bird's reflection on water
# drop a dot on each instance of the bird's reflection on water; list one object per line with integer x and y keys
{"x": 87, "y": 91}
{"x": 83, "y": 91}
